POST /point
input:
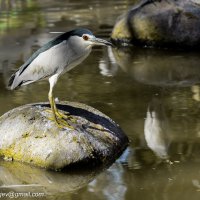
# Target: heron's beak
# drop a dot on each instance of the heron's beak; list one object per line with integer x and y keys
{"x": 98, "y": 41}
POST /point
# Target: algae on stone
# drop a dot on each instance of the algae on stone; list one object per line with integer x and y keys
{"x": 27, "y": 135}
{"x": 173, "y": 23}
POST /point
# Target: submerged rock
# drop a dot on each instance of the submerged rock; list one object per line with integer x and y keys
{"x": 171, "y": 23}
{"x": 29, "y": 135}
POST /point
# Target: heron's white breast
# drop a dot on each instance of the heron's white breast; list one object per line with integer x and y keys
{"x": 78, "y": 51}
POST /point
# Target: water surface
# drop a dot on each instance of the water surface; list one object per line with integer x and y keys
{"x": 153, "y": 94}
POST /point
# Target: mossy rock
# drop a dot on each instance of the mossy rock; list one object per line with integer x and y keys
{"x": 29, "y": 135}
{"x": 171, "y": 23}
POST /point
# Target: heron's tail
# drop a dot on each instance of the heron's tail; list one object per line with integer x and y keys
{"x": 12, "y": 83}
{"x": 16, "y": 80}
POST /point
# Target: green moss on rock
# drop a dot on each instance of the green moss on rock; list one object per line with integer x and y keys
{"x": 41, "y": 143}
{"x": 160, "y": 23}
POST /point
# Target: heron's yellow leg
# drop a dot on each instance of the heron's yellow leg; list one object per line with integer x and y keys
{"x": 59, "y": 121}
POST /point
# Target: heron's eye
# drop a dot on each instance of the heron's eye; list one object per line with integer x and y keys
{"x": 85, "y": 37}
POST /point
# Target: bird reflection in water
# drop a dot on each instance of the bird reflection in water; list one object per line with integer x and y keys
{"x": 156, "y": 129}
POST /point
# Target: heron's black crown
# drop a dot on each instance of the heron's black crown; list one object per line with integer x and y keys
{"x": 65, "y": 36}
{"x": 79, "y": 32}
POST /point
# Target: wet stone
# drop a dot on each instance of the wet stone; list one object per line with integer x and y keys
{"x": 29, "y": 135}
{"x": 160, "y": 23}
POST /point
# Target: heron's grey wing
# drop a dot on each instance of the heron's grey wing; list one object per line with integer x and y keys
{"x": 44, "y": 48}
{"x": 44, "y": 63}
{"x": 14, "y": 79}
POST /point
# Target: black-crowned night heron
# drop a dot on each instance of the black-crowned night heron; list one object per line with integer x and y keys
{"x": 54, "y": 59}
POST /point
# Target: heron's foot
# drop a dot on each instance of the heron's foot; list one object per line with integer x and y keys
{"x": 66, "y": 116}
{"x": 62, "y": 124}
{"x": 60, "y": 115}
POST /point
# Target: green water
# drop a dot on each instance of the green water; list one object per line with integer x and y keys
{"x": 153, "y": 94}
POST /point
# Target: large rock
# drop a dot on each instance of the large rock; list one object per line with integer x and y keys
{"x": 162, "y": 23}
{"x": 28, "y": 135}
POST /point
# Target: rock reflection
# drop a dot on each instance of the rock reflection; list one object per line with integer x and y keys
{"x": 156, "y": 129}
{"x": 21, "y": 178}
{"x": 159, "y": 67}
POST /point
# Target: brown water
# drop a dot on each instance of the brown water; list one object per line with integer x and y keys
{"x": 153, "y": 94}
